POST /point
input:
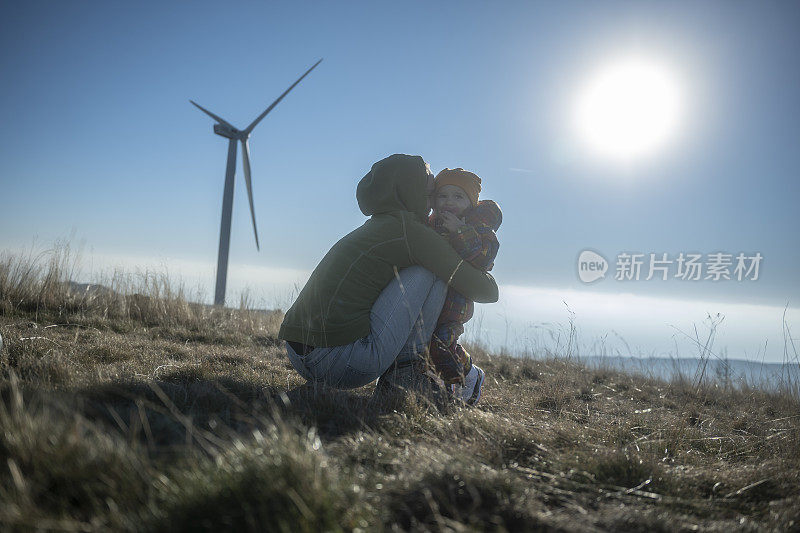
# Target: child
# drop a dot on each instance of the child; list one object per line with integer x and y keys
{"x": 470, "y": 227}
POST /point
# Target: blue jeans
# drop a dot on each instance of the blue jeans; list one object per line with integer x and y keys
{"x": 402, "y": 321}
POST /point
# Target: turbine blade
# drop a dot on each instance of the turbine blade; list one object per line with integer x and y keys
{"x": 264, "y": 114}
{"x": 212, "y": 115}
{"x": 246, "y": 162}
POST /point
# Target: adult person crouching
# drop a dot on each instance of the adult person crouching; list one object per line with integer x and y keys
{"x": 373, "y": 301}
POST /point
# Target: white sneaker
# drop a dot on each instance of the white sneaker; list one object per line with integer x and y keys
{"x": 470, "y": 392}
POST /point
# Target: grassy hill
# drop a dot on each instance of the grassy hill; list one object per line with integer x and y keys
{"x": 129, "y": 408}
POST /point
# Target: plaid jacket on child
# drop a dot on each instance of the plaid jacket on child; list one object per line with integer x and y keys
{"x": 476, "y": 242}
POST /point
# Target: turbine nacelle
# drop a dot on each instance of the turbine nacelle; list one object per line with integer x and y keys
{"x": 228, "y": 132}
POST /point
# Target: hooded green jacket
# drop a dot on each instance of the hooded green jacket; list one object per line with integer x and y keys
{"x": 333, "y": 308}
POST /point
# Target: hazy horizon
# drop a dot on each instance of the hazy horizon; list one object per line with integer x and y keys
{"x": 527, "y": 319}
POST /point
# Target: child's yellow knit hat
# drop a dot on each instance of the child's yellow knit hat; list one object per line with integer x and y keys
{"x": 459, "y": 177}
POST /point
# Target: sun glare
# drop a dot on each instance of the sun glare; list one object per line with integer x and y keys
{"x": 628, "y": 110}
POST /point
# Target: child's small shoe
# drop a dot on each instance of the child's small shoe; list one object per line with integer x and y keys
{"x": 470, "y": 392}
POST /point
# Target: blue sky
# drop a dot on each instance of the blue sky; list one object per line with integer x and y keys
{"x": 101, "y": 145}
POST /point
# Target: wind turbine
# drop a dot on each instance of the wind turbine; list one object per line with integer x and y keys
{"x": 225, "y": 129}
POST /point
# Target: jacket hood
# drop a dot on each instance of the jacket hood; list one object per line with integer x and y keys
{"x": 398, "y": 182}
{"x": 488, "y": 212}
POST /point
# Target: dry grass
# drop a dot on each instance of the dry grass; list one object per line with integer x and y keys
{"x": 132, "y": 409}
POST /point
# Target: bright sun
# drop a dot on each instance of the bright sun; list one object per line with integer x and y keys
{"x": 628, "y": 110}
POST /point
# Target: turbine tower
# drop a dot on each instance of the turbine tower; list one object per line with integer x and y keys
{"x": 225, "y": 129}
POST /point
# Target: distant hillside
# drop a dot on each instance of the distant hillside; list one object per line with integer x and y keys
{"x": 770, "y": 376}
{"x": 95, "y": 290}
